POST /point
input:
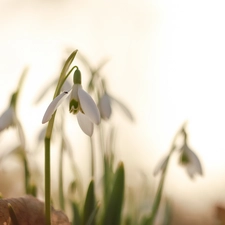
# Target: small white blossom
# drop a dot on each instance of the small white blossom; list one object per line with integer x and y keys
{"x": 190, "y": 160}
{"x": 81, "y": 104}
{"x": 104, "y": 106}
{"x": 7, "y": 119}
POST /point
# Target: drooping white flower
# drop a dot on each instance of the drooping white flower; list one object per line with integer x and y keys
{"x": 7, "y": 119}
{"x": 190, "y": 160}
{"x": 104, "y": 106}
{"x": 81, "y": 104}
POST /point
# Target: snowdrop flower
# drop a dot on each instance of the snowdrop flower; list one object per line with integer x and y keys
{"x": 105, "y": 107}
{"x": 190, "y": 160}
{"x": 7, "y": 119}
{"x": 80, "y": 104}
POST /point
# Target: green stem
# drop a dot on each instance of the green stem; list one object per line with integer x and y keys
{"x": 59, "y": 86}
{"x": 48, "y": 170}
{"x": 20, "y": 130}
{"x": 101, "y": 139}
{"x": 27, "y": 175}
{"x": 92, "y": 158}
{"x": 106, "y": 179}
{"x": 158, "y": 196}
{"x": 64, "y": 71}
{"x": 61, "y": 194}
{"x": 24, "y": 157}
{"x": 47, "y": 182}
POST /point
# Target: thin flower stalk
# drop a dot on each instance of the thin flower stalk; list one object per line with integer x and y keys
{"x": 61, "y": 190}
{"x": 164, "y": 168}
{"x": 80, "y": 104}
{"x": 92, "y": 158}
{"x": 48, "y": 142}
{"x": 158, "y": 195}
{"x": 61, "y": 159}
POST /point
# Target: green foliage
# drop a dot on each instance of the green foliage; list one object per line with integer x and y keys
{"x": 113, "y": 210}
{"x": 89, "y": 206}
{"x": 102, "y": 205}
{"x": 76, "y": 214}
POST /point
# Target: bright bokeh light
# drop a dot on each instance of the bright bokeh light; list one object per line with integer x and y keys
{"x": 166, "y": 63}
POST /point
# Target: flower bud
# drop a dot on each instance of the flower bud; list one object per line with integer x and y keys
{"x": 77, "y": 77}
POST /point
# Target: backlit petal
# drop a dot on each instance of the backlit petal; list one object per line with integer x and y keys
{"x": 104, "y": 106}
{"x": 85, "y": 124}
{"x": 195, "y": 162}
{"x": 7, "y": 119}
{"x": 88, "y": 106}
{"x": 193, "y": 165}
{"x": 54, "y": 105}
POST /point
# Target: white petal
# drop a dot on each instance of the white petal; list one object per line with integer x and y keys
{"x": 161, "y": 165}
{"x": 85, "y": 124}
{"x": 74, "y": 93}
{"x": 53, "y": 106}
{"x": 7, "y": 119}
{"x": 194, "y": 165}
{"x": 190, "y": 170}
{"x": 88, "y": 106}
{"x": 105, "y": 107}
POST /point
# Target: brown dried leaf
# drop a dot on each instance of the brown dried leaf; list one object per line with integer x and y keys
{"x": 29, "y": 211}
{"x": 220, "y": 214}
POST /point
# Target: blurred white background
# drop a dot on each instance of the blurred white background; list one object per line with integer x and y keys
{"x": 166, "y": 63}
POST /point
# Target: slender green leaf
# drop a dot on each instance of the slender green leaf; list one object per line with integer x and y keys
{"x": 64, "y": 71}
{"x": 113, "y": 211}
{"x": 93, "y": 215}
{"x": 89, "y": 206}
{"x": 76, "y": 214}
